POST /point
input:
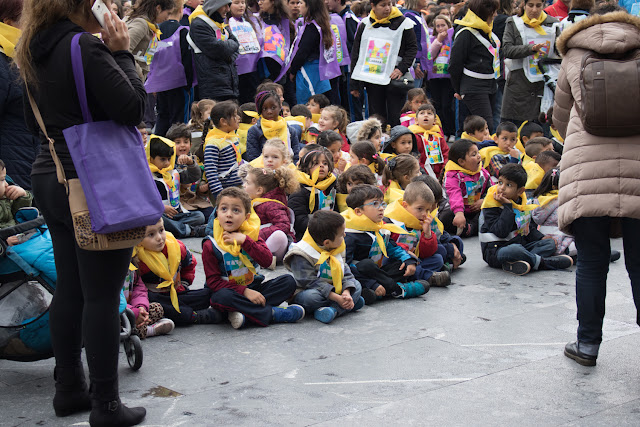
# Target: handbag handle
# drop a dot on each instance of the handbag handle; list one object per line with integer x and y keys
{"x": 78, "y": 76}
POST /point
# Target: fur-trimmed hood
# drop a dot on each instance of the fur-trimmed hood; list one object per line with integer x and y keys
{"x": 615, "y": 32}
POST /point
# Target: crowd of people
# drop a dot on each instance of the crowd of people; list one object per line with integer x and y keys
{"x": 356, "y": 143}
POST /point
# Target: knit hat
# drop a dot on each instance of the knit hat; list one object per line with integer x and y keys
{"x": 397, "y": 132}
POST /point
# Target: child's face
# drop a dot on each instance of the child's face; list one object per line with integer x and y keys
{"x": 426, "y": 118}
{"x": 472, "y": 160}
{"x": 326, "y": 122}
{"x": 482, "y": 135}
{"x": 509, "y": 189}
{"x": 507, "y": 140}
{"x": 533, "y": 135}
{"x": 376, "y": 139}
{"x": 403, "y": 144}
{"x": 351, "y": 184}
{"x": 420, "y": 209}
{"x": 223, "y": 10}
{"x": 417, "y": 102}
{"x": 272, "y": 157}
{"x": 335, "y": 151}
{"x": 231, "y": 124}
{"x": 231, "y": 214}
{"x": 337, "y": 241}
{"x": 356, "y": 161}
{"x": 161, "y": 162}
{"x": 286, "y": 111}
{"x": 237, "y": 8}
{"x": 441, "y": 26}
{"x": 372, "y": 209}
{"x": 3, "y": 182}
{"x": 183, "y": 146}
{"x": 307, "y": 123}
{"x": 313, "y": 107}
{"x": 155, "y": 237}
{"x": 251, "y": 187}
{"x": 406, "y": 179}
{"x": 271, "y": 109}
{"x": 323, "y": 165}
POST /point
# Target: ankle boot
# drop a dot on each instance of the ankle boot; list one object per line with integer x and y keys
{"x": 71, "y": 391}
{"x": 108, "y": 410}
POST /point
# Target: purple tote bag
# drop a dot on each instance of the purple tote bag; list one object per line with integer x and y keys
{"x": 112, "y": 166}
{"x": 166, "y": 71}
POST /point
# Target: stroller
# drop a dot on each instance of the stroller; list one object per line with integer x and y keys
{"x": 27, "y": 283}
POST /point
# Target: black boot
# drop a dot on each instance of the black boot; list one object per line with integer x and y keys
{"x": 71, "y": 395}
{"x": 108, "y": 410}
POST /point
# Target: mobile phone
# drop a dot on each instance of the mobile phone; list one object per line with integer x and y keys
{"x": 99, "y": 9}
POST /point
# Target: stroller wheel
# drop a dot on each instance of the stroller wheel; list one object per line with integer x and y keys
{"x": 133, "y": 350}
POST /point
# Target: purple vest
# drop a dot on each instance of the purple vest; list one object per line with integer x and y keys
{"x": 166, "y": 71}
{"x": 250, "y": 44}
{"x": 423, "y": 55}
{"x": 339, "y": 30}
{"x": 438, "y": 67}
{"x": 276, "y": 42}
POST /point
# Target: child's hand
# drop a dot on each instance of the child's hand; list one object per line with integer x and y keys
{"x": 411, "y": 269}
{"x": 426, "y": 226}
{"x": 498, "y": 196}
{"x": 229, "y": 238}
{"x": 342, "y": 163}
{"x": 477, "y": 205}
{"x": 14, "y": 192}
{"x": 442, "y": 36}
{"x": 457, "y": 257}
{"x": 170, "y": 211}
{"x": 346, "y": 300}
{"x": 255, "y": 297}
{"x": 418, "y": 72}
{"x": 203, "y": 187}
{"x": 143, "y": 317}
{"x": 381, "y": 291}
{"x": 12, "y": 240}
{"x": 513, "y": 152}
{"x": 460, "y": 220}
{"x": 185, "y": 160}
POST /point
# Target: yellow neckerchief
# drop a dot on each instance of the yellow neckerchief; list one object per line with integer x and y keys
{"x": 419, "y": 130}
{"x": 8, "y": 38}
{"x": 536, "y": 24}
{"x": 373, "y": 168}
{"x": 453, "y": 166}
{"x": 217, "y": 134}
{"x": 200, "y": 11}
{"x": 386, "y": 156}
{"x": 259, "y": 200}
{"x": 334, "y": 262}
{"x": 526, "y": 160}
{"x": 394, "y": 14}
{"x": 341, "y": 201}
{"x": 519, "y": 144}
{"x": 393, "y": 193}
{"x": 166, "y": 172}
{"x": 243, "y": 130}
{"x": 163, "y": 267}
{"x": 363, "y": 223}
{"x": 534, "y": 175}
{"x": 547, "y": 197}
{"x": 250, "y": 227}
{"x": 490, "y": 202}
{"x": 469, "y": 137}
{"x": 154, "y": 28}
{"x": 399, "y": 213}
{"x": 271, "y": 128}
{"x": 472, "y": 20}
{"x": 556, "y": 135}
{"x": 488, "y": 152}
{"x": 301, "y": 120}
{"x": 315, "y": 117}
{"x": 312, "y": 181}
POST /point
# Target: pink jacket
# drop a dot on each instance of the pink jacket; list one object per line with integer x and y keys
{"x": 136, "y": 295}
{"x": 463, "y": 190}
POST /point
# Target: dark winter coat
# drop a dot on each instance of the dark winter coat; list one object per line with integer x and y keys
{"x": 468, "y": 52}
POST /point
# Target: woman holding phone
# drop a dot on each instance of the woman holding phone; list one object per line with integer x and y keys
{"x": 84, "y": 310}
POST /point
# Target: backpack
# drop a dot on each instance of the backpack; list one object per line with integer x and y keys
{"x": 610, "y": 88}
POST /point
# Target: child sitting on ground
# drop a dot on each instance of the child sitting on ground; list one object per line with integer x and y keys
{"x": 414, "y": 214}
{"x": 286, "y": 110}
{"x": 466, "y": 183}
{"x": 268, "y": 190}
{"x": 229, "y": 258}
{"x": 527, "y": 131}
{"x": 317, "y": 262}
{"x": 398, "y": 174}
{"x": 381, "y": 266}
{"x": 355, "y": 175}
{"x": 200, "y": 111}
{"x": 150, "y": 320}
{"x": 432, "y": 146}
{"x": 317, "y": 190}
{"x": 495, "y": 157}
{"x": 534, "y": 147}
{"x": 544, "y": 161}
{"x": 167, "y": 269}
{"x": 161, "y": 156}
{"x": 401, "y": 141}
{"x": 274, "y": 155}
{"x": 364, "y": 153}
{"x": 300, "y": 112}
{"x": 332, "y": 141}
{"x": 509, "y": 237}
{"x": 316, "y": 104}
{"x": 476, "y": 130}
{"x": 370, "y": 130}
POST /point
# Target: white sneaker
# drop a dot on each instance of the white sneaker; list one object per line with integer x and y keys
{"x": 236, "y": 319}
{"x": 164, "y": 326}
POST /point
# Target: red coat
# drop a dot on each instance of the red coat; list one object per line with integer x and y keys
{"x": 427, "y": 246}
{"x": 444, "y": 147}
{"x": 274, "y": 213}
{"x": 557, "y": 10}
{"x": 186, "y": 270}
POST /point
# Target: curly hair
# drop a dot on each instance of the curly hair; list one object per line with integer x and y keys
{"x": 268, "y": 179}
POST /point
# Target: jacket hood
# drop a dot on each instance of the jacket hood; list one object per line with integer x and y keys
{"x": 615, "y": 32}
{"x": 276, "y": 194}
{"x": 210, "y": 7}
{"x": 397, "y": 132}
{"x": 43, "y": 43}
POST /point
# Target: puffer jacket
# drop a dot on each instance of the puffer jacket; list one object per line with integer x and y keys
{"x": 600, "y": 175}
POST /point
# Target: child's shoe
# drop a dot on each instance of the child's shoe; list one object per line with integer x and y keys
{"x": 208, "y": 316}
{"x": 440, "y": 279}
{"x": 425, "y": 284}
{"x": 290, "y": 314}
{"x": 519, "y": 268}
{"x": 237, "y": 319}
{"x": 161, "y": 327}
{"x": 615, "y": 255}
{"x": 325, "y": 314}
{"x": 369, "y": 296}
{"x": 198, "y": 230}
{"x": 358, "y": 304}
{"x": 410, "y": 290}
{"x": 273, "y": 263}
{"x": 560, "y": 262}
{"x": 448, "y": 267}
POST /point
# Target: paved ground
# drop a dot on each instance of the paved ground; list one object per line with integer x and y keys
{"x": 485, "y": 351}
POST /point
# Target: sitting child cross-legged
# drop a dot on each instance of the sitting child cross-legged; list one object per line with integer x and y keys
{"x": 228, "y": 259}
{"x": 318, "y": 264}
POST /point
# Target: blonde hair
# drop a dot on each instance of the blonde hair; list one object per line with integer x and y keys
{"x": 280, "y": 146}
{"x": 339, "y": 115}
{"x": 282, "y": 177}
{"x": 445, "y": 18}
{"x": 197, "y": 112}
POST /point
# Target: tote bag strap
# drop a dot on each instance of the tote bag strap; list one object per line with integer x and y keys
{"x": 78, "y": 76}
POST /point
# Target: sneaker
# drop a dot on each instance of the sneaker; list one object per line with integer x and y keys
{"x": 572, "y": 351}
{"x": 560, "y": 262}
{"x": 448, "y": 267}
{"x": 519, "y": 268}
{"x": 369, "y": 296}
{"x": 163, "y": 326}
{"x": 325, "y": 314}
{"x": 273, "y": 264}
{"x": 358, "y": 304}
{"x": 464, "y": 259}
{"x": 290, "y": 314}
{"x": 425, "y": 285}
{"x": 237, "y": 319}
{"x": 440, "y": 279}
{"x": 208, "y": 316}
{"x": 615, "y": 255}
{"x": 410, "y": 290}
{"x": 198, "y": 230}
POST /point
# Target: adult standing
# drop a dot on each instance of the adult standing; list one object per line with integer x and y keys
{"x": 600, "y": 177}
{"x": 499, "y": 23}
{"x": 382, "y": 69}
{"x": 475, "y": 61}
{"x": 84, "y": 310}
{"x": 18, "y": 146}
{"x": 413, "y": 11}
{"x": 527, "y": 39}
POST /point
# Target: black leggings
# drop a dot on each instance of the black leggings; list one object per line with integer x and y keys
{"x": 386, "y": 101}
{"x": 84, "y": 309}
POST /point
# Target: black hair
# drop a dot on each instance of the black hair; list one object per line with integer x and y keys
{"x": 483, "y": 8}
{"x": 366, "y": 150}
{"x": 459, "y": 149}
{"x": 328, "y": 137}
{"x": 397, "y": 167}
{"x": 141, "y": 125}
{"x": 529, "y": 128}
{"x": 223, "y": 110}
{"x": 301, "y": 110}
{"x": 433, "y": 184}
{"x": 324, "y": 225}
{"x": 286, "y": 104}
{"x": 247, "y": 106}
{"x": 262, "y": 97}
{"x": 307, "y": 162}
{"x": 158, "y": 148}
{"x": 355, "y": 173}
{"x": 361, "y": 193}
{"x": 546, "y": 157}
{"x": 474, "y": 124}
{"x": 506, "y": 127}
{"x": 235, "y": 193}
{"x": 550, "y": 181}
{"x": 179, "y": 130}
{"x": 515, "y": 173}
{"x": 320, "y": 99}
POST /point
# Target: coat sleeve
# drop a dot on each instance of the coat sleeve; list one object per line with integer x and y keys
{"x": 191, "y": 173}
{"x": 258, "y": 250}
{"x": 214, "y": 279}
{"x": 498, "y": 221}
{"x": 428, "y": 245}
{"x": 138, "y": 30}
{"x": 459, "y": 53}
{"x": 139, "y": 295}
{"x": 452, "y": 187}
{"x": 408, "y": 50}
{"x": 278, "y": 217}
{"x": 211, "y": 159}
{"x": 205, "y": 38}
{"x": 563, "y": 100}
{"x": 254, "y": 149}
{"x": 512, "y": 46}
{"x": 187, "y": 264}
{"x": 435, "y": 47}
{"x": 307, "y": 47}
{"x": 305, "y": 275}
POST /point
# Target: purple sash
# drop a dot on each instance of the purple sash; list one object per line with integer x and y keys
{"x": 423, "y": 55}
{"x": 276, "y": 43}
{"x": 339, "y": 30}
{"x": 166, "y": 71}
{"x": 247, "y": 61}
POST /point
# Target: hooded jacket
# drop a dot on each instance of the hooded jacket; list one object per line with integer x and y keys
{"x": 397, "y": 132}
{"x": 600, "y": 176}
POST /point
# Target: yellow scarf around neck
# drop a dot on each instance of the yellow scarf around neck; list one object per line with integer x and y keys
{"x": 200, "y": 11}
{"x": 8, "y": 38}
{"x": 419, "y": 130}
{"x": 166, "y": 172}
{"x": 398, "y": 212}
{"x": 395, "y": 12}
{"x": 491, "y": 202}
{"x": 556, "y": 135}
{"x": 250, "y": 228}
{"x": 547, "y": 197}
{"x": 163, "y": 267}
{"x": 536, "y": 24}
{"x": 271, "y": 128}
{"x": 341, "y": 202}
{"x": 259, "y": 200}
{"x": 334, "y": 262}
{"x": 363, "y": 223}
{"x": 534, "y": 175}
{"x": 488, "y": 152}
{"x": 393, "y": 193}
{"x": 469, "y": 137}
{"x": 154, "y": 28}
{"x": 312, "y": 181}
{"x": 472, "y": 20}
{"x": 453, "y": 166}
{"x": 231, "y": 137}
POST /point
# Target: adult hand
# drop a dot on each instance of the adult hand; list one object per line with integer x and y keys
{"x": 537, "y": 47}
{"x": 116, "y": 34}
{"x": 14, "y": 192}
{"x": 170, "y": 211}
{"x": 255, "y": 297}
{"x": 457, "y": 96}
{"x": 396, "y": 74}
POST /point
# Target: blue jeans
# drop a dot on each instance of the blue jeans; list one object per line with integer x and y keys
{"x": 312, "y": 299}
{"x": 497, "y": 104}
{"x": 430, "y": 265}
{"x": 594, "y": 250}
{"x": 180, "y": 225}
{"x": 531, "y": 252}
